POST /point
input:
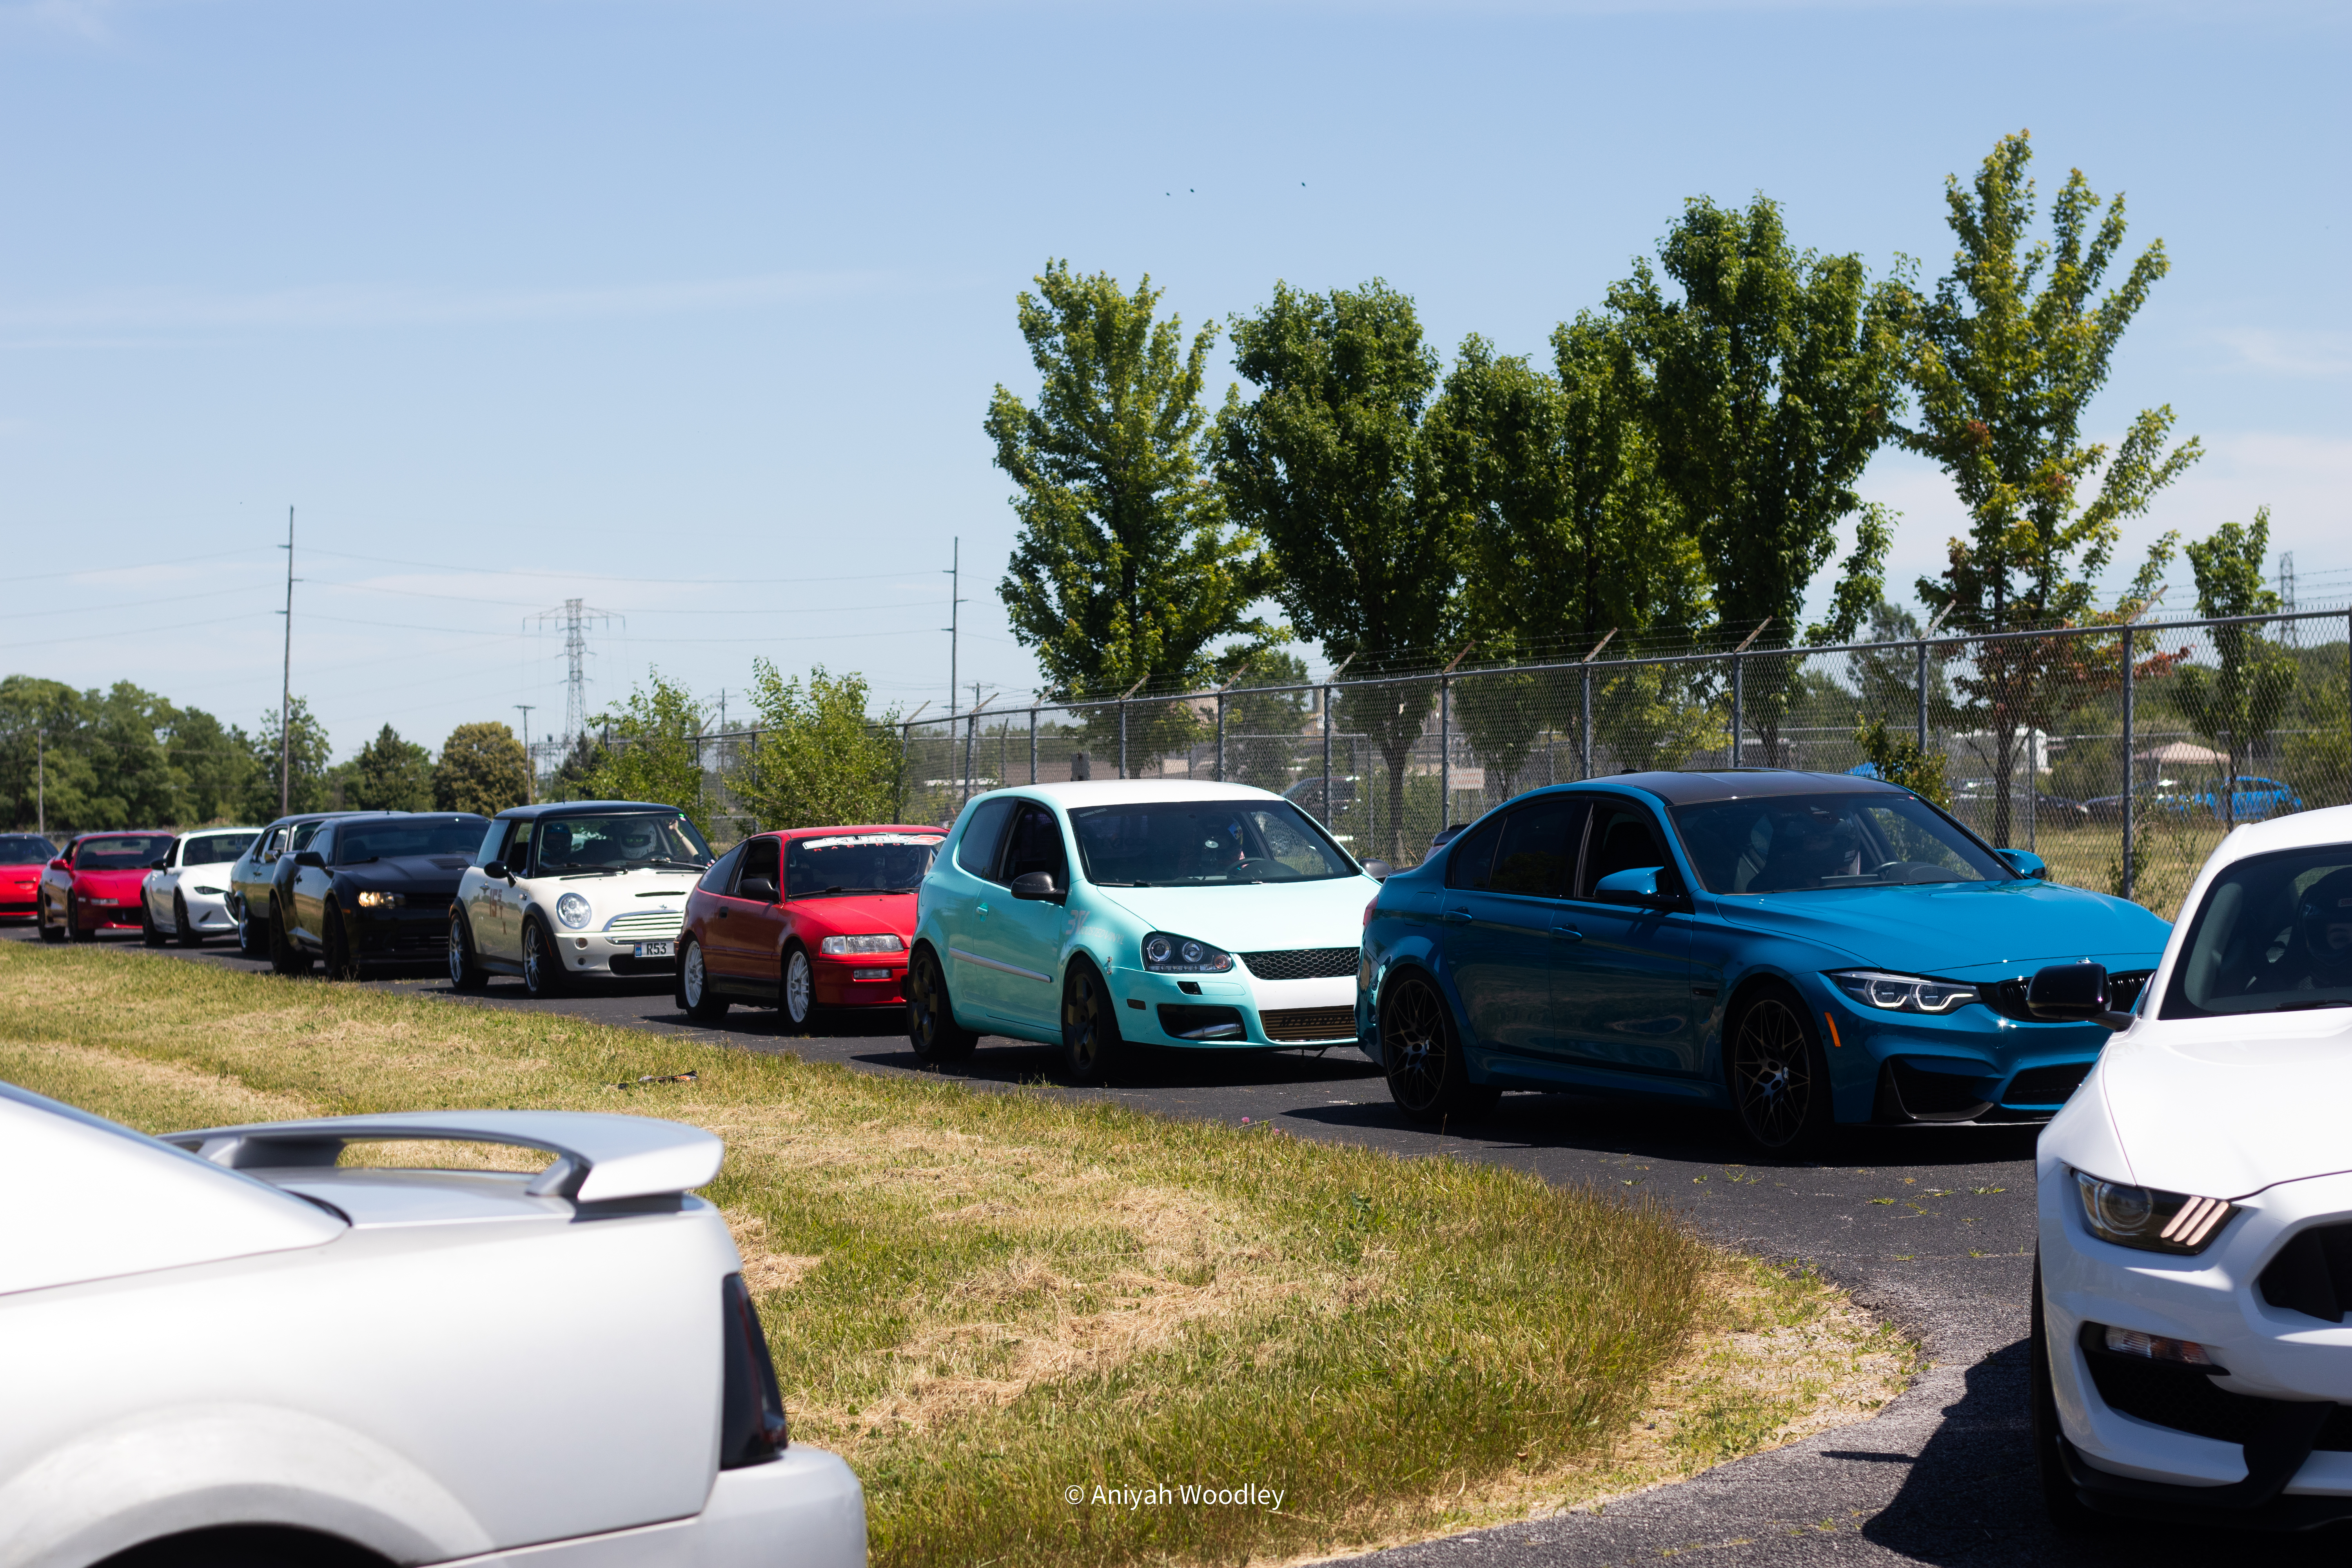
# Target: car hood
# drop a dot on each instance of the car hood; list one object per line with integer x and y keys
{"x": 408, "y": 873}
{"x": 2225, "y": 1107}
{"x": 1964, "y": 931}
{"x": 857, "y": 914}
{"x": 1254, "y": 917}
{"x": 110, "y": 884}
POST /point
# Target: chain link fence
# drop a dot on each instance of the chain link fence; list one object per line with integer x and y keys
{"x": 2120, "y": 754}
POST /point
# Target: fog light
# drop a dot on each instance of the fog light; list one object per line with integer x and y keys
{"x": 869, "y": 975}
{"x": 2155, "y": 1347}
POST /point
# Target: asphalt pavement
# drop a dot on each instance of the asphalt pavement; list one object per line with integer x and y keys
{"x": 1929, "y": 1228}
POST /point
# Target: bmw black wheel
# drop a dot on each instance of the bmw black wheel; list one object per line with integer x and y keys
{"x": 1091, "y": 1038}
{"x": 1428, "y": 1077}
{"x": 932, "y": 1027}
{"x": 1779, "y": 1081}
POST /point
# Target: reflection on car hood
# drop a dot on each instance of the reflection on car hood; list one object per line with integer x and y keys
{"x": 2225, "y": 1107}
{"x": 857, "y": 914}
{"x": 110, "y": 882}
{"x": 1965, "y": 930}
{"x": 1253, "y": 917}
{"x": 409, "y": 873}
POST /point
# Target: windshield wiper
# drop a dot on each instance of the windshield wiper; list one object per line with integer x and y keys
{"x": 2306, "y": 1007}
{"x": 678, "y": 865}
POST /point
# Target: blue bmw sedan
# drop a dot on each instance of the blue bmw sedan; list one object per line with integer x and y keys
{"x": 1802, "y": 949}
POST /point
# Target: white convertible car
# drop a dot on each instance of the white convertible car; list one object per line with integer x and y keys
{"x": 2192, "y": 1359}
{"x": 222, "y": 1347}
{"x": 185, "y": 897}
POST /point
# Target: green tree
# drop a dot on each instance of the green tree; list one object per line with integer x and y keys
{"x": 821, "y": 761}
{"x": 1126, "y": 568}
{"x": 391, "y": 775}
{"x": 1327, "y": 463}
{"x": 652, "y": 751}
{"x": 2234, "y": 702}
{"x": 2005, "y": 360}
{"x": 214, "y": 761}
{"x": 307, "y": 751}
{"x": 570, "y": 781}
{"x": 482, "y": 769}
{"x": 1263, "y": 728}
{"x": 49, "y": 773}
{"x": 1900, "y": 761}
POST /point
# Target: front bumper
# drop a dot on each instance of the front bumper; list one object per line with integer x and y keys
{"x": 1233, "y": 1011}
{"x": 2268, "y": 1442}
{"x": 867, "y": 980}
{"x": 416, "y": 932}
{"x": 1969, "y": 1064}
{"x": 615, "y": 951}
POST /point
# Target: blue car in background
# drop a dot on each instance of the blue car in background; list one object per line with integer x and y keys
{"x": 1803, "y": 950}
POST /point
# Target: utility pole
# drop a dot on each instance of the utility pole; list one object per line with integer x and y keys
{"x": 955, "y": 617}
{"x": 285, "y": 684}
{"x": 41, "y": 781}
{"x": 529, "y": 768}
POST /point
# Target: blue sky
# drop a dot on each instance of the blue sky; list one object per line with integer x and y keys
{"x": 692, "y": 309}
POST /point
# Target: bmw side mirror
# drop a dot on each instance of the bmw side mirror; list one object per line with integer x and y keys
{"x": 2026, "y": 864}
{"x": 1644, "y": 885}
{"x": 758, "y": 890}
{"x": 311, "y": 858}
{"x": 1038, "y": 886}
{"x": 1379, "y": 871}
{"x": 2073, "y": 994}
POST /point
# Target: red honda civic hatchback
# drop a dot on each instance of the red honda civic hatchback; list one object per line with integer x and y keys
{"x": 94, "y": 883}
{"x": 808, "y": 918}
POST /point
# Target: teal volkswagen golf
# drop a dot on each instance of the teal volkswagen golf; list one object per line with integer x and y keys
{"x": 1088, "y": 916}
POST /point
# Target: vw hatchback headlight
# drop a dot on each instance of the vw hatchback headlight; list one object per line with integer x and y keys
{"x": 1901, "y": 992}
{"x": 572, "y": 910}
{"x": 1164, "y": 954}
{"x": 842, "y": 946}
{"x": 2148, "y": 1220}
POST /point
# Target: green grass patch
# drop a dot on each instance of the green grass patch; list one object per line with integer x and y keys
{"x": 986, "y": 1300}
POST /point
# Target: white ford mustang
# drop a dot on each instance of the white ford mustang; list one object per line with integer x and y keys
{"x": 2192, "y": 1358}
{"x": 222, "y": 1347}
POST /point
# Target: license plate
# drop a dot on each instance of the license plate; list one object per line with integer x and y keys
{"x": 656, "y": 950}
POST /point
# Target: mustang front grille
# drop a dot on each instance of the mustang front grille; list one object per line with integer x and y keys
{"x": 1303, "y": 963}
{"x": 1308, "y": 1023}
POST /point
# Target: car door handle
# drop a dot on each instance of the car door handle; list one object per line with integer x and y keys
{"x": 1568, "y": 934}
{"x": 980, "y": 910}
{"x": 1457, "y": 915}
{"x": 722, "y": 914}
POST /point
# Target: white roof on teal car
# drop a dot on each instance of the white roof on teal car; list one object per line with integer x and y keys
{"x": 1130, "y": 791}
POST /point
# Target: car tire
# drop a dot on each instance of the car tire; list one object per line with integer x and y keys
{"x": 75, "y": 930}
{"x": 542, "y": 961}
{"x": 284, "y": 958}
{"x": 796, "y": 992}
{"x": 1777, "y": 1075}
{"x": 1091, "y": 1045}
{"x": 932, "y": 1027}
{"x": 149, "y": 933}
{"x": 696, "y": 999}
{"x": 252, "y": 942}
{"x": 2060, "y": 1499}
{"x": 182, "y": 926}
{"x": 337, "y": 947}
{"x": 1421, "y": 1055}
{"x": 41, "y": 922}
{"x": 465, "y": 972}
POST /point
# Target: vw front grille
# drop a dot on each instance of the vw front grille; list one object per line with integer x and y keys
{"x": 1303, "y": 963}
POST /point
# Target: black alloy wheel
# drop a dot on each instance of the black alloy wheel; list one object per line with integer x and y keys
{"x": 466, "y": 973}
{"x": 797, "y": 992}
{"x": 182, "y": 926}
{"x": 149, "y": 933}
{"x": 932, "y": 1027}
{"x": 339, "y": 963}
{"x": 695, "y": 994}
{"x": 542, "y": 964}
{"x": 1421, "y": 1058}
{"x": 1779, "y": 1081}
{"x": 284, "y": 958}
{"x": 75, "y": 930}
{"x": 2060, "y": 1499}
{"x": 1091, "y": 1045}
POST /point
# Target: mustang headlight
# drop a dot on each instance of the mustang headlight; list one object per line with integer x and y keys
{"x": 572, "y": 910}
{"x": 2151, "y": 1220}
{"x": 1164, "y": 954}
{"x": 1901, "y": 992}
{"x": 373, "y": 899}
{"x": 842, "y": 946}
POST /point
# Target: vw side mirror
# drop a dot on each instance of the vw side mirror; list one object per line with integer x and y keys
{"x": 1038, "y": 886}
{"x": 2073, "y": 994}
{"x": 1641, "y": 885}
{"x": 311, "y": 858}
{"x": 758, "y": 890}
{"x": 2026, "y": 864}
{"x": 1379, "y": 871}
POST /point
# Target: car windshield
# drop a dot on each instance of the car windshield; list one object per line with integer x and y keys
{"x": 128, "y": 852}
{"x": 25, "y": 849}
{"x": 391, "y": 840}
{"x": 619, "y": 841}
{"x": 846, "y": 863}
{"x": 214, "y": 848}
{"x": 2272, "y": 935}
{"x": 1782, "y": 844}
{"x": 1183, "y": 843}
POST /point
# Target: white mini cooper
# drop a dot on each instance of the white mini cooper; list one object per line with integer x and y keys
{"x": 563, "y": 891}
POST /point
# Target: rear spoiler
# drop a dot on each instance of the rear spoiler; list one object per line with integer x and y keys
{"x": 598, "y": 1157}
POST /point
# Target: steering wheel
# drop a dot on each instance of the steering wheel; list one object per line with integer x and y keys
{"x": 1259, "y": 869}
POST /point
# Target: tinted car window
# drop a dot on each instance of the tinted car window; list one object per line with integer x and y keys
{"x": 1537, "y": 854}
{"x": 304, "y": 832}
{"x": 976, "y": 851}
{"x": 214, "y": 848}
{"x": 2272, "y": 935}
{"x": 1792, "y": 843}
{"x": 1474, "y": 855}
{"x": 1037, "y": 846}
{"x": 721, "y": 875}
{"x": 1175, "y": 843}
{"x": 1621, "y": 840}
{"x": 359, "y": 843}
{"x": 760, "y": 859}
{"x": 125, "y": 853}
{"x": 494, "y": 838}
{"x": 618, "y": 841}
{"x": 846, "y": 863}
{"x": 26, "y": 849}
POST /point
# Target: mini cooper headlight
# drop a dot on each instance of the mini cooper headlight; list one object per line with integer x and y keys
{"x": 371, "y": 899}
{"x": 842, "y": 946}
{"x": 572, "y": 910}
{"x": 2147, "y": 1219}
{"x": 1901, "y": 992}
{"x": 1164, "y": 954}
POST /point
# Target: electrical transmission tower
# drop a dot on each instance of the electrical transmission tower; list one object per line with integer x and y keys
{"x": 574, "y": 616}
{"x": 2286, "y": 581}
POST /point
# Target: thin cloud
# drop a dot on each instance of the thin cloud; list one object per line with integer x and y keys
{"x": 2291, "y": 354}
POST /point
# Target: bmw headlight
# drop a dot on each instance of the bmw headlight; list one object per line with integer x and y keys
{"x": 842, "y": 946}
{"x": 2147, "y": 1219}
{"x": 572, "y": 910}
{"x": 1901, "y": 992}
{"x": 374, "y": 898}
{"x": 1164, "y": 954}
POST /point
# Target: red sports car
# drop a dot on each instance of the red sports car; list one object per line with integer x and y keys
{"x": 94, "y": 883}
{"x": 809, "y": 917}
{"x": 22, "y": 856}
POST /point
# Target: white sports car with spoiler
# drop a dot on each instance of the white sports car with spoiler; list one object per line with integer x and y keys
{"x": 223, "y": 1346}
